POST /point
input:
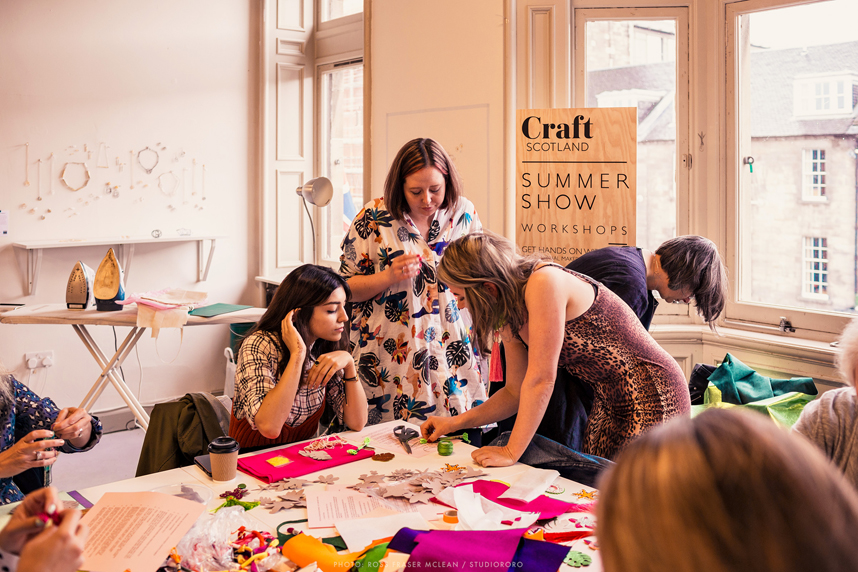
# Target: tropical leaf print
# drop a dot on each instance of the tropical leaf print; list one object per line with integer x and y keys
{"x": 430, "y": 333}
{"x": 367, "y": 335}
{"x": 465, "y": 219}
{"x": 386, "y": 256}
{"x": 368, "y": 370}
{"x": 361, "y": 309}
{"x": 396, "y": 308}
{"x": 426, "y": 276}
{"x": 418, "y": 358}
{"x": 451, "y": 386}
{"x": 407, "y": 407}
{"x": 400, "y": 349}
{"x": 451, "y": 312}
{"x": 458, "y": 354}
{"x": 371, "y": 221}
{"x": 365, "y": 265}
{"x": 376, "y": 408}
{"x": 348, "y": 248}
{"x": 434, "y": 231}
{"x": 390, "y": 345}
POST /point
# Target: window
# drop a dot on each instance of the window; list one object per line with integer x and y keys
{"x": 823, "y": 96}
{"x": 790, "y": 94}
{"x": 815, "y": 268}
{"x": 632, "y": 62}
{"x": 333, "y": 9}
{"x": 340, "y": 150}
{"x": 813, "y": 175}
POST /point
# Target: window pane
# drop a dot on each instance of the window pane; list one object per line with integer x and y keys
{"x": 333, "y": 9}
{"x": 632, "y": 63}
{"x": 801, "y": 191}
{"x": 341, "y": 152}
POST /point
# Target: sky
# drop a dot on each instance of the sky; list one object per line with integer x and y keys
{"x": 810, "y": 25}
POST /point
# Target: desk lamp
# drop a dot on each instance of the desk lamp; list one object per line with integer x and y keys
{"x": 319, "y": 192}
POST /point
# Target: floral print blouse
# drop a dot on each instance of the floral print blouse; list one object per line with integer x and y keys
{"x": 411, "y": 344}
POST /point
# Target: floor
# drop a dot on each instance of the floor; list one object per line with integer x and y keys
{"x": 113, "y": 459}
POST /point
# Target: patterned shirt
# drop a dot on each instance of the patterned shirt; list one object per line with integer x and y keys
{"x": 256, "y": 375}
{"x": 412, "y": 346}
{"x": 27, "y": 413}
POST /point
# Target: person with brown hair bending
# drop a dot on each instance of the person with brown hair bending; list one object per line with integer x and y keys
{"x": 559, "y": 319}
{"x": 295, "y": 362}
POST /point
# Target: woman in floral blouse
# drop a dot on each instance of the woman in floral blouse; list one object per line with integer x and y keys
{"x": 409, "y": 340}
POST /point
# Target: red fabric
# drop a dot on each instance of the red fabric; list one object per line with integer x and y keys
{"x": 259, "y": 467}
{"x": 495, "y": 369}
{"x": 247, "y": 436}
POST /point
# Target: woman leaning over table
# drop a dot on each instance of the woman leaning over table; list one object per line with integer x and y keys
{"x": 295, "y": 362}
{"x": 550, "y": 317}
{"x": 34, "y": 430}
{"x": 409, "y": 340}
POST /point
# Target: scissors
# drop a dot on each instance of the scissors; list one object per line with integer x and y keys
{"x": 405, "y": 434}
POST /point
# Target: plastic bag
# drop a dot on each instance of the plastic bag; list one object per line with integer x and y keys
{"x": 229, "y": 377}
{"x": 206, "y": 547}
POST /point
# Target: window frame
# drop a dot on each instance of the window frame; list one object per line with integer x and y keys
{"x": 807, "y": 173}
{"x": 584, "y": 14}
{"x": 810, "y": 322}
{"x": 807, "y": 282}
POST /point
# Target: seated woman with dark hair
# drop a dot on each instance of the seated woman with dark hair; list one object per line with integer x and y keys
{"x": 725, "y": 491}
{"x": 295, "y": 362}
{"x": 34, "y": 429}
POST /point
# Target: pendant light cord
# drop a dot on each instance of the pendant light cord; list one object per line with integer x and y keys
{"x": 313, "y": 228}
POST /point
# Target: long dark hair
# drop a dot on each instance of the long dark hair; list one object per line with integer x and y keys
{"x": 305, "y": 287}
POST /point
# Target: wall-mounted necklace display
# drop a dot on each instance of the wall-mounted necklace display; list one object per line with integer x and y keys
{"x": 106, "y": 165}
{"x": 75, "y": 175}
{"x": 148, "y": 159}
{"x": 168, "y": 183}
{"x": 27, "y": 165}
{"x": 204, "y": 182}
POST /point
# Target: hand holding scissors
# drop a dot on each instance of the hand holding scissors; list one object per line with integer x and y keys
{"x": 405, "y": 434}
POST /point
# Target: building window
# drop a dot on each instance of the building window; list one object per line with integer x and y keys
{"x": 829, "y": 95}
{"x": 815, "y": 268}
{"x": 333, "y": 9}
{"x": 813, "y": 175}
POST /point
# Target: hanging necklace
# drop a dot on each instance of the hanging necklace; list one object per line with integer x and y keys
{"x": 168, "y": 183}
{"x": 150, "y": 156}
{"x": 51, "y": 174}
{"x": 66, "y": 173}
{"x": 39, "y": 182}
{"x": 27, "y": 166}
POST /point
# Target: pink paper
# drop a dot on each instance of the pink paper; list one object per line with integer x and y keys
{"x": 545, "y": 506}
{"x": 259, "y": 467}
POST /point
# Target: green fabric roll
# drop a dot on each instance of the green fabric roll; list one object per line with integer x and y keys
{"x": 740, "y": 385}
{"x": 782, "y": 409}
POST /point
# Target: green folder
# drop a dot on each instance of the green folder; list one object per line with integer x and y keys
{"x": 216, "y": 310}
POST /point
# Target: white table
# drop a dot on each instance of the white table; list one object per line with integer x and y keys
{"x": 348, "y": 475}
{"x": 80, "y": 319}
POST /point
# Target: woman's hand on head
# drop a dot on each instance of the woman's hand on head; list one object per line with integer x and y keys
{"x": 35, "y": 449}
{"x": 293, "y": 340}
{"x": 26, "y": 522}
{"x": 494, "y": 457}
{"x": 327, "y": 365}
{"x": 405, "y": 267}
{"x": 57, "y": 548}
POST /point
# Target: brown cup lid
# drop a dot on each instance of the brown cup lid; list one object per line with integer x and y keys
{"x": 223, "y": 445}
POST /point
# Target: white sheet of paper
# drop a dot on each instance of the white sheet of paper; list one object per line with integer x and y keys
{"x": 530, "y": 484}
{"x": 474, "y": 515}
{"x": 450, "y": 496}
{"x": 381, "y": 437}
{"x": 361, "y": 532}
{"x": 326, "y": 508}
{"x": 135, "y": 531}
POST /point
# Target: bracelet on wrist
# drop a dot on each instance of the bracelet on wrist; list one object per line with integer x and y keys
{"x": 350, "y": 378}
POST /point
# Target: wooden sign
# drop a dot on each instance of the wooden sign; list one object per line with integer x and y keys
{"x": 575, "y": 180}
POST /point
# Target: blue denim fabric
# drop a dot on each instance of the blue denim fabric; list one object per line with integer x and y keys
{"x": 543, "y": 453}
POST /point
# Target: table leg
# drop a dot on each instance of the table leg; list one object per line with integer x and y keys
{"x": 108, "y": 373}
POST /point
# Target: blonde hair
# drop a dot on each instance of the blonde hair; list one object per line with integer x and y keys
{"x": 475, "y": 260}
{"x": 847, "y": 352}
{"x": 725, "y": 491}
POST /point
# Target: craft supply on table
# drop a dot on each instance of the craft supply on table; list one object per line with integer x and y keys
{"x": 382, "y": 438}
{"x": 547, "y": 507}
{"x": 288, "y": 462}
{"x": 405, "y": 434}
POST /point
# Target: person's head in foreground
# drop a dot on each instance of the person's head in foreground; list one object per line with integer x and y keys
{"x": 725, "y": 491}
{"x": 847, "y": 354}
{"x": 692, "y": 269}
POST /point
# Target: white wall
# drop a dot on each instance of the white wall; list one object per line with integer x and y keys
{"x": 182, "y": 73}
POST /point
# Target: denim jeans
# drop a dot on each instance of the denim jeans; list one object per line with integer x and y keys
{"x": 543, "y": 453}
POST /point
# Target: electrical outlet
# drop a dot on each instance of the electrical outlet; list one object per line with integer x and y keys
{"x": 39, "y": 359}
